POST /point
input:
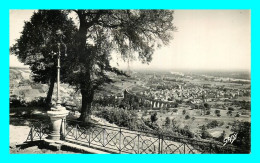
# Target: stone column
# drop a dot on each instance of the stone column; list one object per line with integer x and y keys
{"x": 56, "y": 117}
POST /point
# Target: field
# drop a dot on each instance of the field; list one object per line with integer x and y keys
{"x": 198, "y": 120}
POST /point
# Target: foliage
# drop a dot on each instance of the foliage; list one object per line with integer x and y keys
{"x": 174, "y": 124}
{"x": 204, "y": 133}
{"x": 154, "y": 126}
{"x": 237, "y": 115}
{"x": 39, "y": 39}
{"x": 243, "y": 130}
{"x": 40, "y": 102}
{"x": 38, "y": 42}
{"x": 214, "y": 124}
{"x": 16, "y": 102}
{"x": 221, "y": 137}
{"x": 217, "y": 112}
{"x": 141, "y": 125}
{"x": 167, "y": 121}
{"x": 206, "y": 105}
{"x": 184, "y": 112}
{"x": 229, "y": 113}
{"x": 185, "y": 132}
{"x": 243, "y": 104}
{"x": 20, "y": 102}
{"x": 230, "y": 108}
{"x": 119, "y": 116}
{"x": 154, "y": 117}
{"x": 187, "y": 117}
{"x": 131, "y": 33}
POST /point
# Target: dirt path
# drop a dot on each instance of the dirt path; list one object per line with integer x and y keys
{"x": 18, "y": 134}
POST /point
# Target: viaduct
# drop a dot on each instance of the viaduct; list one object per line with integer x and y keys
{"x": 153, "y": 103}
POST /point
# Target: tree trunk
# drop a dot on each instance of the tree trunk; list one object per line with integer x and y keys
{"x": 50, "y": 92}
{"x": 87, "y": 98}
{"x": 87, "y": 91}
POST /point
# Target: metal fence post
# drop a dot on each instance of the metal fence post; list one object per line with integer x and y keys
{"x": 63, "y": 128}
{"x": 120, "y": 132}
{"x": 31, "y": 133}
{"x": 89, "y": 138}
{"x": 138, "y": 139}
{"x": 104, "y": 136}
{"x": 159, "y": 147}
{"x": 41, "y": 132}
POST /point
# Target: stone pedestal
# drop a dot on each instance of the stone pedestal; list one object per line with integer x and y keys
{"x": 56, "y": 116}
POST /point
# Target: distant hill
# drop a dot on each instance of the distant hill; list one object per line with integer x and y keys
{"x": 22, "y": 86}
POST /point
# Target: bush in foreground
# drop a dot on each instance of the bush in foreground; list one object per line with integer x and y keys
{"x": 119, "y": 116}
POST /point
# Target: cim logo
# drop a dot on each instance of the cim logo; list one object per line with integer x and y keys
{"x": 231, "y": 139}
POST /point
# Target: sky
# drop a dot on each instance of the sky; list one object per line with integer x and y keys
{"x": 204, "y": 40}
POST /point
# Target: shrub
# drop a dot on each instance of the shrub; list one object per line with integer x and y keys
{"x": 206, "y": 105}
{"x": 186, "y": 132}
{"x": 40, "y": 102}
{"x": 16, "y": 102}
{"x": 204, "y": 133}
{"x": 167, "y": 121}
{"x": 207, "y": 112}
{"x": 174, "y": 110}
{"x": 243, "y": 130}
{"x": 119, "y": 116}
{"x": 140, "y": 124}
{"x": 221, "y": 137}
{"x": 229, "y": 113}
{"x": 154, "y": 117}
{"x": 187, "y": 117}
{"x": 151, "y": 125}
{"x": 214, "y": 124}
{"x": 237, "y": 115}
{"x": 231, "y": 108}
{"x": 174, "y": 123}
{"x": 217, "y": 112}
{"x": 184, "y": 112}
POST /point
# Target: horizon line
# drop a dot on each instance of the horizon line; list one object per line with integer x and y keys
{"x": 164, "y": 69}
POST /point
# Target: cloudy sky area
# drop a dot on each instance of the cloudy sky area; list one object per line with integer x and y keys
{"x": 205, "y": 40}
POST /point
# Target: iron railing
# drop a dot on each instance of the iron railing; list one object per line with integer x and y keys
{"x": 121, "y": 140}
{"x": 38, "y": 131}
